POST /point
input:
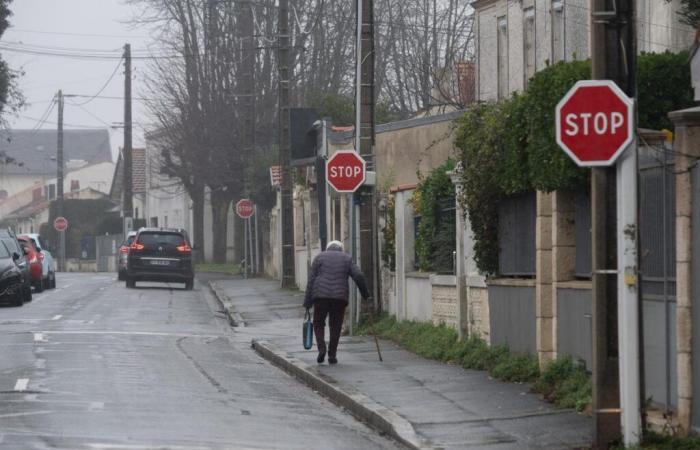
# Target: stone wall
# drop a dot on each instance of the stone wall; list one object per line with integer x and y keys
{"x": 445, "y": 302}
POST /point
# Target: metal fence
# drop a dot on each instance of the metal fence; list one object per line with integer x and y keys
{"x": 442, "y": 256}
{"x": 106, "y": 251}
{"x": 512, "y": 317}
{"x": 574, "y": 333}
{"x": 516, "y": 235}
{"x": 657, "y": 234}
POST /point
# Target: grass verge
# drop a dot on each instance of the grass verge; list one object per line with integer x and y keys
{"x": 654, "y": 441}
{"x": 228, "y": 268}
{"x": 563, "y": 382}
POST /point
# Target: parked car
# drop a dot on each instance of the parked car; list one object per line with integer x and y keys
{"x": 36, "y": 269}
{"x": 20, "y": 257}
{"x": 48, "y": 263}
{"x": 123, "y": 253}
{"x": 160, "y": 254}
{"x": 11, "y": 281}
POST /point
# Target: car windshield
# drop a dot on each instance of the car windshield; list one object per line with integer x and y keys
{"x": 171, "y": 239}
{"x": 4, "y": 252}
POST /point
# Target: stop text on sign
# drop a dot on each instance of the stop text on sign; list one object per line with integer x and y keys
{"x": 595, "y": 122}
{"x": 598, "y": 123}
{"x": 345, "y": 171}
{"x": 244, "y": 208}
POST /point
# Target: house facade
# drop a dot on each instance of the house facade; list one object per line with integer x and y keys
{"x": 515, "y": 39}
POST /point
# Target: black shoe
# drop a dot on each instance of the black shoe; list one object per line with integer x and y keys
{"x": 332, "y": 360}
{"x": 321, "y": 357}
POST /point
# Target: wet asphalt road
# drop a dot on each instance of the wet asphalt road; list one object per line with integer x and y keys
{"x": 92, "y": 365}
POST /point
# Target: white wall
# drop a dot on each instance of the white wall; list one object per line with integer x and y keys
{"x": 419, "y": 297}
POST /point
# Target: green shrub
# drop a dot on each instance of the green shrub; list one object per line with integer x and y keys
{"x": 516, "y": 368}
{"x": 436, "y": 231}
{"x": 565, "y": 383}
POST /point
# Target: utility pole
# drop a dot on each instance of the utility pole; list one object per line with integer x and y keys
{"x": 128, "y": 205}
{"x": 288, "y": 277}
{"x": 248, "y": 87}
{"x": 59, "y": 182}
{"x": 364, "y": 140}
{"x": 613, "y": 55}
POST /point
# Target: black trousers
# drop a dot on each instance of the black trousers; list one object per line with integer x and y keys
{"x": 335, "y": 310}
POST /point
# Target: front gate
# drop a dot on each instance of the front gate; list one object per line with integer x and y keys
{"x": 657, "y": 233}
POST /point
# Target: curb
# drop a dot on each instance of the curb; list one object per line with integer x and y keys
{"x": 234, "y": 318}
{"x": 359, "y": 405}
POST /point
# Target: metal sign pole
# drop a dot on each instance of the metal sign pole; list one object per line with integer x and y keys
{"x": 63, "y": 250}
{"x": 353, "y": 254}
{"x": 245, "y": 248}
{"x": 250, "y": 244}
{"x": 628, "y": 295}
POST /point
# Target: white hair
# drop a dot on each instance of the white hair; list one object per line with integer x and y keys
{"x": 335, "y": 245}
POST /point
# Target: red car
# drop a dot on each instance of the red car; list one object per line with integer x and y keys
{"x": 35, "y": 262}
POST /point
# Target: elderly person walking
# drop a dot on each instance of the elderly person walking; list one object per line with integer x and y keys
{"x": 327, "y": 291}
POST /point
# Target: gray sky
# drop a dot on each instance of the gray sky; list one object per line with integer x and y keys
{"x": 75, "y": 24}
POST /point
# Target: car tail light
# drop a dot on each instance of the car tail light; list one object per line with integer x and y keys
{"x": 124, "y": 249}
{"x": 184, "y": 248}
{"x": 137, "y": 247}
{"x": 34, "y": 259}
{"x": 41, "y": 257}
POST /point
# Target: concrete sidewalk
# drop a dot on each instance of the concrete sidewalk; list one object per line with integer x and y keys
{"x": 422, "y": 403}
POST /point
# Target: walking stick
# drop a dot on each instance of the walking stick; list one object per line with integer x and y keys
{"x": 374, "y": 333}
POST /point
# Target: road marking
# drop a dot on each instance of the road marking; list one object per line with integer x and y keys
{"x": 57, "y": 317}
{"x": 22, "y": 384}
{"x": 138, "y": 333}
{"x": 105, "y": 446}
{"x": 3, "y": 416}
{"x": 39, "y": 337}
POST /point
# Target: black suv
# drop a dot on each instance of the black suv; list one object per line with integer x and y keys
{"x": 160, "y": 254}
{"x": 19, "y": 256}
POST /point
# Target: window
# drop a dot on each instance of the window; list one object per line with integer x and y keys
{"x": 558, "y": 42}
{"x": 136, "y": 213}
{"x": 154, "y": 222}
{"x": 529, "y": 43}
{"x": 165, "y": 221}
{"x": 52, "y": 192}
{"x": 74, "y": 185}
{"x": 502, "y": 37}
{"x": 4, "y": 253}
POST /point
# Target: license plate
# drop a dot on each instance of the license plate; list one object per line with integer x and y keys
{"x": 160, "y": 262}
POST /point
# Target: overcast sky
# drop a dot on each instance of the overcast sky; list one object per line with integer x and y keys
{"x": 75, "y": 24}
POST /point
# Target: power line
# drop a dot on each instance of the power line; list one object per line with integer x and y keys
{"x": 61, "y": 33}
{"x": 111, "y": 77}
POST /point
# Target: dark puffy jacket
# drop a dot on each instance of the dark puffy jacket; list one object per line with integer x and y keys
{"x": 329, "y": 277}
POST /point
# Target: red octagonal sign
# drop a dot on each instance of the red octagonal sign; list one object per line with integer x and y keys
{"x": 345, "y": 171}
{"x": 60, "y": 223}
{"x": 594, "y": 122}
{"x": 245, "y": 209}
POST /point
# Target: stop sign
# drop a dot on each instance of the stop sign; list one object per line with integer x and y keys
{"x": 244, "y": 208}
{"x": 594, "y": 122}
{"x": 60, "y": 223}
{"x": 345, "y": 171}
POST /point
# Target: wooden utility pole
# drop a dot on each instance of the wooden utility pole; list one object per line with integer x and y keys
{"x": 248, "y": 87}
{"x": 59, "y": 182}
{"x": 365, "y": 143}
{"x": 613, "y": 53}
{"x": 128, "y": 188}
{"x": 288, "y": 276}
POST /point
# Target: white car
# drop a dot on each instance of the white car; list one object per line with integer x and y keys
{"x": 48, "y": 263}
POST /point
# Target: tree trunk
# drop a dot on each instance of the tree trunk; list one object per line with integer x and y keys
{"x": 197, "y": 196}
{"x": 220, "y": 203}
